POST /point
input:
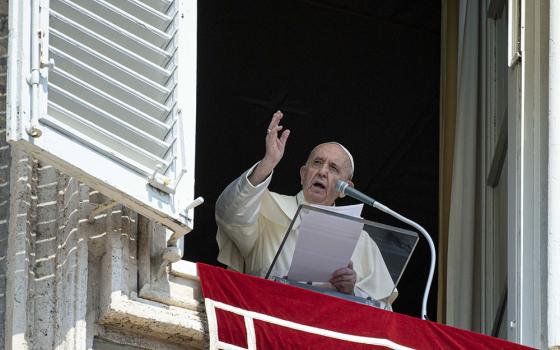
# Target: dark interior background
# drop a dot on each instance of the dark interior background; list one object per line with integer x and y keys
{"x": 361, "y": 72}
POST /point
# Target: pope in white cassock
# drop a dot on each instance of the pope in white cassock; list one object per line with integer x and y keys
{"x": 252, "y": 221}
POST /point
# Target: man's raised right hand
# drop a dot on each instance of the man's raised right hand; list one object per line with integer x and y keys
{"x": 275, "y": 142}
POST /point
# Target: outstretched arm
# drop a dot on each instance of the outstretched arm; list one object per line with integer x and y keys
{"x": 275, "y": 142}
{"x": 238, "y": 206}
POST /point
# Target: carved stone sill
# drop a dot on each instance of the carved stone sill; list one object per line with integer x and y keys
{"x": 168, "y": 323}
{"x": 181, "y": 287}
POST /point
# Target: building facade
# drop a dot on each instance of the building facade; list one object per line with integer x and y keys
{"x": 79, "y": 269}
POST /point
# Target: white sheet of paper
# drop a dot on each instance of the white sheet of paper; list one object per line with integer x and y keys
{"x": 354, "y": 210}
{"x": 325, "y": 243}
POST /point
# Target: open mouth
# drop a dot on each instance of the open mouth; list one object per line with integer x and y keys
{"x": 319, "y": 185}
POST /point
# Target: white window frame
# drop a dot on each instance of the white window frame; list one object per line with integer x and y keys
{"x": 527, "y": 159}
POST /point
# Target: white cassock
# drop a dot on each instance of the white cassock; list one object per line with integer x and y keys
{"x": 252, "y": 222}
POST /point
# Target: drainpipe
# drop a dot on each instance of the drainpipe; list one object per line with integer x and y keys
{"x": 553, "y": 245}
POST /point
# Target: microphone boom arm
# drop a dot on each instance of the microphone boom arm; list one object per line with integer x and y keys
{"x": 344, "y": 188}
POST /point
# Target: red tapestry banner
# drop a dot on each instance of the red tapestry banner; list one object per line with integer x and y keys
{"x": 246, "y": 312}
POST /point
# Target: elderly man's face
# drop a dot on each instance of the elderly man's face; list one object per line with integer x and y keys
{"x": 327, "y": 164}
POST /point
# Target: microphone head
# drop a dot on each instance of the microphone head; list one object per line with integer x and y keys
{"x": 341, "y": 185}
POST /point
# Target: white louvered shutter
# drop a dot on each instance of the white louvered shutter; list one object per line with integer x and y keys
{"x": 117, "y": 108}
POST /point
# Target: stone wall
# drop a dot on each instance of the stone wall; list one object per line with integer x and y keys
{"x": 72, "y": 278}
{"x": 4, "y": 164}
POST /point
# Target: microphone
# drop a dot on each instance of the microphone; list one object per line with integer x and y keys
{"x": 344, "y": 187}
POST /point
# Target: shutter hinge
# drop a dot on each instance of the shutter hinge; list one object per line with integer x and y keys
{"x": 44, "y": 61}
{"x": 164, "y": 183}
{"x": 160, "y": 181}
{"x": 515, "y": 57}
